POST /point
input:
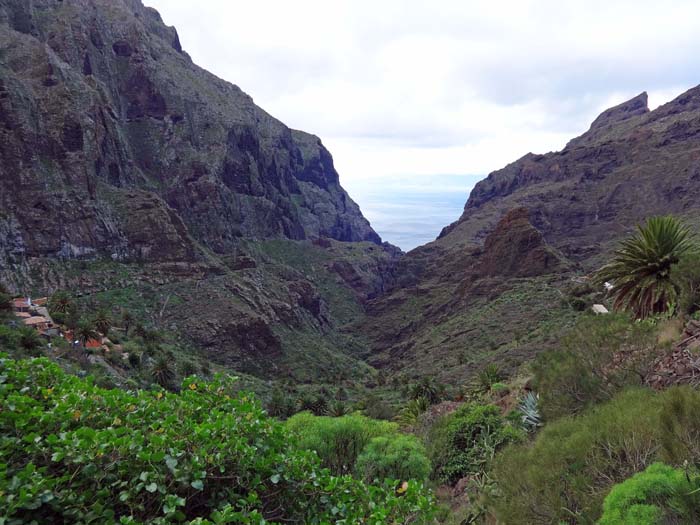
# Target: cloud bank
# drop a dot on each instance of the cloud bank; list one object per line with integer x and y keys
{"x": 417, "y": 89}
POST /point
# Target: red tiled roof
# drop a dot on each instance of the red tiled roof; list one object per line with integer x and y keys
{"x": 31, "y": 321}
{"x": 20, "y": 302}
{"x": 93, "y": 343}
{"x": 22, "y": 314}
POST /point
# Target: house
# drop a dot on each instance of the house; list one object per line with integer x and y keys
{"x": 37, "y": 322}
{"x": 21, "y": 304}
{"x": 23, "y": 315}
{"x": 93, "y": 344}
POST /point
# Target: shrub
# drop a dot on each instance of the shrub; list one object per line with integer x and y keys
{"x": 376, "y": 408}
{"x": 399, "y": 457}
{"x": 9, "y": 338}
{"x": 464, "y": 442}
{"x": 71, "y": 452}
{"x": 579, "y": 374}
{"x": 660, "y": 494}
{"x": 409, "y": 414}
{"x": 428, "y": 388}
{"x": 338, "y": 409}
{"x": 488, "y": 376}
{"x": 162, "y": 372}
{"x": 5, "y": 299}
{"x": 280, "y": 404}
{"x": 687, "y": 276}
{"x": 316, "y": 404}
{"x": 338, "y": 441}
{"x": 29, "y": 338}
{"x": 574, "y": 461}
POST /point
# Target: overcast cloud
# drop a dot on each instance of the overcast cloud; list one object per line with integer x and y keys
{"x": 416, "y": 89}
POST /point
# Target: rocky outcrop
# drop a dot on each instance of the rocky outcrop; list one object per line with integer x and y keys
{"x": 497, "y": 279}
{"x": 632, "y": 163}
{"x": 113, "y": 143}
{"x": 515, "y": 248}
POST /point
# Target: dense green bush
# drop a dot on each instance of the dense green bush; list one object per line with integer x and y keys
{"x": 5, "y": 299}
{"x": 660, "y": 494}
{"x": 579, "y": 374}
{"x": 400, "y": 457}
{"x": 338, "y": 441}
{"x": 464, "y": 442}
{"x": 566, "y": 472}
{"x": 74, "y": 453}
{"x": 687, "y": 276}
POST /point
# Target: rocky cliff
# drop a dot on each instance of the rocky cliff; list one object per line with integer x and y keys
{"x": 114, "y": 143}
{"x": 493, "y": 286}
{"x": 630, "y": 164}
{"x": 137, "y": 180}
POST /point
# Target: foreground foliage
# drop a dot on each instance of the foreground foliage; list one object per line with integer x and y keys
{"x": 464, "y": 443}
{"x": 71, "y": 452}
{"x": 564, "y": 475}
{"x": 371, "y": 448}
{"x": 660, "y": 494}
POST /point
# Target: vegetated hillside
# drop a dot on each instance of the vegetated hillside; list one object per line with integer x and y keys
{"x": 134, "y": 178}
{"x": 484, "y": 291}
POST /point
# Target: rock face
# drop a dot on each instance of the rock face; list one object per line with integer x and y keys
{"x": 632, "y": 163}
{"x": 494, "y": 284}
{"x": 113, "y": 143}
{"x": 515, "y": 248}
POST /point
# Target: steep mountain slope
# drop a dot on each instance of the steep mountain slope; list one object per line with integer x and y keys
{"x": 115, "y": 143}
{"x": 445, "y": 318}
{"x": 132, "y": 177}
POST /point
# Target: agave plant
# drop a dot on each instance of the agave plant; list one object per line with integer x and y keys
{"x": 640, "y": 272}
{"x": 530, "y": 410}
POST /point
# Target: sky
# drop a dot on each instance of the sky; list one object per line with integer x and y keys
{"x": 418, "y": 100}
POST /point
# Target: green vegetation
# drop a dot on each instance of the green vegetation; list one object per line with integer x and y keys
{"x": 641, "y": 270}
{"x": 580, "y": 373}
{"x": 71, "y": 452}
{"x": 660, "y": 494}
{"x": 567, "y": 471}
{"x": 465, "y": 442}
{"x": 400, "y": 457}
{"x": 5, "y": 299}
{"x": 338, "y": 441}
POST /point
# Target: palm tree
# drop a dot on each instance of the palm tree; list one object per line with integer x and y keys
{"x": 429, "y": 389}
{"x": 162, "y": 373}
{"x": 640, "y": 272}
{"x": 60, "y": 303}
{"x": 85, "y": 331}
{"x": 102, "y": 322}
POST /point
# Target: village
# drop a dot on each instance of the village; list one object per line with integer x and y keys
{"x": 34, "y": 313}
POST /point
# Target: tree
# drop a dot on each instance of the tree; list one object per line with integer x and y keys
{"x": 29, "y": 338}
{"x": 162, "y": 373}
{"x": 127, "y": 321}
{"x": 429, "y": 389}
{"x": 61, "y": 303}
{"x": 5, "y": 298}
{"x": 102, "y": 322}
{"x": 640, "y": 272}
{"x": 85, "y": 331}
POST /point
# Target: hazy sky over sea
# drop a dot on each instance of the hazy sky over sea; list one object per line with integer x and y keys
{"x": 413, "y": 90}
